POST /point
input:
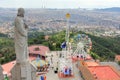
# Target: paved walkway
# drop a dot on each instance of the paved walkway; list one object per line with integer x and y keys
{"x": 52, "y": 76}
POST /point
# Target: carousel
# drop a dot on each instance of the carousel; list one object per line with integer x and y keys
{"x": 42, "y": 65}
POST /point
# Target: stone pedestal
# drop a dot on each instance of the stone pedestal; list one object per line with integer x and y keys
{"x": 23, "y": 71}
{"x": 1, "y": 73}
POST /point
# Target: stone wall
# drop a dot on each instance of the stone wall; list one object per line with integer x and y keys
{"x": 85, "y": 72}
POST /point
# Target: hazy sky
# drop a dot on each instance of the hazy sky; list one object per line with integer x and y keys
{"x": 59, "y": 3}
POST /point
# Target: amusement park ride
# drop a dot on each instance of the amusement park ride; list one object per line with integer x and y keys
{"x": 77, "y": 49}
{"x": 65, "y": 62}
{"x": 82, "y": 47}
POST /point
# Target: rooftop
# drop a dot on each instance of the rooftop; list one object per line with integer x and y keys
{"x": 38, "y": 49}
{"x": 8, "y": 66}
{"x": 104, "y": 73}
{"x": 91, "y": 63}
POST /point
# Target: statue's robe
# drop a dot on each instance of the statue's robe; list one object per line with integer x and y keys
{"x": 20, "y": 37}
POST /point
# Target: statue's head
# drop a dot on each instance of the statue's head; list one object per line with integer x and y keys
{"x": 21, "y": 12}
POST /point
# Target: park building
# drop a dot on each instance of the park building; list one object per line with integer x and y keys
{"x": 38, "y": 50}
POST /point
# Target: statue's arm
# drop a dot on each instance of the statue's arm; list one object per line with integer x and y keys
{"x": 20, "y": 27}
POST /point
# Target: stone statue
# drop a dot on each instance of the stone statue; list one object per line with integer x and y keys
{"x": 23, "y": 69}
{"x": 21, "y": 30}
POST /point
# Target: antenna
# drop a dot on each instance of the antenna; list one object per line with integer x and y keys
{"x": 43, "y": 3}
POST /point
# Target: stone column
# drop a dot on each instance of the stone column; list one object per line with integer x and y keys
{"x": 25, "y": 71}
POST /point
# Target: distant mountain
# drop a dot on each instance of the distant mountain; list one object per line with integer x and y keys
{"x": 113, "y": 9}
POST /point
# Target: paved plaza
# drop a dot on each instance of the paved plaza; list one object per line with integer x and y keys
{"x": 53, "y": 76}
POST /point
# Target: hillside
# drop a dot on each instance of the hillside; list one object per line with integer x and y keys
{"x": 104, "y": 48}
{"x": 7, "y": 52}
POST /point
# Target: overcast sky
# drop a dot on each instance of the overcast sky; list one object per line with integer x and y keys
{"x": 59, "y": 3}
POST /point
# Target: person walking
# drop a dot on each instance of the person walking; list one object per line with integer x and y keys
{"x": 44, "y": 77}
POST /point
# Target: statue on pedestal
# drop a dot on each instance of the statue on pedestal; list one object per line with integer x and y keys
{"x": 23, "y": 69}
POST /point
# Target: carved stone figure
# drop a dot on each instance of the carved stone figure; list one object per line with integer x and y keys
{"x": 21, "y": 30}
{"x": 23, "y": 69}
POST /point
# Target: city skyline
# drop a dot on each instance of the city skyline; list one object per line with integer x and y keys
{"x": 90, "y": 4}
